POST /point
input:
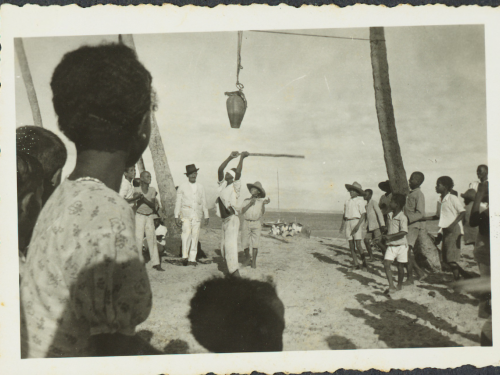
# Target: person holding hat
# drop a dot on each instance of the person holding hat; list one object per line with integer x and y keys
{"x": 190, "y": 208}
{"x": 470, "y": 233}
{"x": 354, "y": 216}
{"x": 253, "y": 210}
{"x": 226, "y": 209}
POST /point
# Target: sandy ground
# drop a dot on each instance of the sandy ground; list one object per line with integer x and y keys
{"x": 327, "y": 305}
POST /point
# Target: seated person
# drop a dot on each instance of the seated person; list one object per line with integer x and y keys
{"x": 232, "y": 315}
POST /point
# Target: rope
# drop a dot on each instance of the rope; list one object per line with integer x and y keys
{"x": 318, "y": 36}
{"x": 239, "y": 67}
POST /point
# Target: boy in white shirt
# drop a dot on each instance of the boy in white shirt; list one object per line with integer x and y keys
{"x": 354, "y": 216}
{"x": 253, "y": 210}
{"x": 395, "y": 240}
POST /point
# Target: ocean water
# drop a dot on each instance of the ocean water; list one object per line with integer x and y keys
{"x": 322, "y": 224}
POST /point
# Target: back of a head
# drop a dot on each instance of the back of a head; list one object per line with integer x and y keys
{"x": 400, "y": 199}
{"x": 29, "y": 175}
{"x": 44, "y": 145}
{"x": 231, "y": 315}
{"x": 101, "y": 95}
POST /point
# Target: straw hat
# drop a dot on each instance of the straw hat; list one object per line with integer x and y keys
{"x": 356, "y": 187}
{"x": 469, "y": 194}
{"x": 259, "y": 187}
{"x": 385, "y": 186}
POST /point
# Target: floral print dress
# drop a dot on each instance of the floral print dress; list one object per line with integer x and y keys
{"x": 83, "y": 274}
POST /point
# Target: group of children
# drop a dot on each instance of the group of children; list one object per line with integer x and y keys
{"x": 395, "y": 224}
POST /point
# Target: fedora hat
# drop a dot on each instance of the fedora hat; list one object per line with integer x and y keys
{"x": 259, "y": 187}
{"x": 356, "y": 187}
{"x": 385, "y": 186}
{"x": 191, "y": 168}
{"x": 469, "y": 194}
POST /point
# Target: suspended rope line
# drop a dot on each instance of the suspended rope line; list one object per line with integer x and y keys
{"x": 239, "y": 85}
{"x": 318, "y": 36}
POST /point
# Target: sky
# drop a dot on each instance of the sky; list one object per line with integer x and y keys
{"x": 307, "y": 96}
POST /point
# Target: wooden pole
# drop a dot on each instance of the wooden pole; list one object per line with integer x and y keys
{"x": 128, "y": 40}
{"x": 163, "y": 175}
{"x": 385, "y": 112}
{"x": 28, "y": 81}
{"x": 279, "y": 155}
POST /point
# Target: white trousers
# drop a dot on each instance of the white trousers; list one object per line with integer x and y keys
{"x": 229, "y": 242}
{"x": 189, "y": 236}
{"x": 146, "y": 224}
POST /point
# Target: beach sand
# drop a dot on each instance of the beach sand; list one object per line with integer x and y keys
{"x": 327, "y": 306}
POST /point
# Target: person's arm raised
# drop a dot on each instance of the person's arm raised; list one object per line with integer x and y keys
{"x": 239, "y": 168}
{"x": 224, "y": 164}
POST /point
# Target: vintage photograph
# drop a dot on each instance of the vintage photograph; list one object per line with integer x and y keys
{"x": 252, "y": 191}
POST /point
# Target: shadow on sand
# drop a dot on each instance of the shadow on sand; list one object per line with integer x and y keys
{"x": 336, "y": 342}
{"x": 390, "y": 321}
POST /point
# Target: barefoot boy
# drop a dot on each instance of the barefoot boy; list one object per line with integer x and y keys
{"x": 354, "y": 216}
{"x": 375, "y": 220}
{"x": 415, "y": 211}
{"x": 397, "y": 245}
{"x": 253, "y": 210}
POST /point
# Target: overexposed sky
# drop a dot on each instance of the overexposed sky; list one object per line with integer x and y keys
{"x": 308, "y": 96}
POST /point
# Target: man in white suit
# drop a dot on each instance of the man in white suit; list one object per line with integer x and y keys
{"x": 190, "y": 207}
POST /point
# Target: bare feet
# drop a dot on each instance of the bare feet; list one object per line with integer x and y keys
{"x": 390, "y": 290}
{"x": 408, "y": 282}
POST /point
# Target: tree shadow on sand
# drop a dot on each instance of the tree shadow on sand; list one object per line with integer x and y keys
{"x": 336, "y": 342}
{"x": 412, "y": 333}
{"x": 451, "y": 295}
{"x": 344, "y": 268}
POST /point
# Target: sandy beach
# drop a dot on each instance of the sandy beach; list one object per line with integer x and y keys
{"x": 327, "y": 305}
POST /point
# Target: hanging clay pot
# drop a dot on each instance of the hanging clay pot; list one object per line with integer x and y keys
{"x": 236, "y": 106}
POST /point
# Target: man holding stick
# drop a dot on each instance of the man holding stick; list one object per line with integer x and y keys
{"x": 225, "y": 206}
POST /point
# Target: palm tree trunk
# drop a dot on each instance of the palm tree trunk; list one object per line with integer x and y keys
{"x": 128, "y": 40}
{"x": 163, "y": 175}
{"x": 28, "y": 81}
{"x": 385, "y": 112}
{"x": 426, "y": 252}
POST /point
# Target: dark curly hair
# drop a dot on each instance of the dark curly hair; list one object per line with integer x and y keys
{"x": 446, "y": 181}
{"x": 399, "y": 199}
{"x": 29, "y": 174}
{"x": 231, "y": 315}
{"x": 44, "y": 145}
{"x": 101, "y": 95}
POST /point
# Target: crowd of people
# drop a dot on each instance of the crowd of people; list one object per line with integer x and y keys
{"x": 396, "y": 223}
{"x": 84, "y": 286}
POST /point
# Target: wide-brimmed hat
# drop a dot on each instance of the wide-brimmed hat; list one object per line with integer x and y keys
{"x": 470, "y": 194}
{"x": 385, "y": 186}
{"x": 356, "y": 187}
{"x": 259, "y": 187}
{"x": 191, "y": 168}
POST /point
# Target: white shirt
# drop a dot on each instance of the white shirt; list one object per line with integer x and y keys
{"x": 126, "y": 189}
{"x": 229, "y": 195}
{"x": 354, "y": 208}
{"x": 191, "y": 202}
{"x": 448, "y": 210}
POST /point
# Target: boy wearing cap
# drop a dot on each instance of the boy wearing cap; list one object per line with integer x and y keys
{"x": 354, "y": 216}
{"x": 190, "y": 208}
{"x": 253, "y": 210}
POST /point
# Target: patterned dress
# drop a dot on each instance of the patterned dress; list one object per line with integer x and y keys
{"x": 83, "y": 275}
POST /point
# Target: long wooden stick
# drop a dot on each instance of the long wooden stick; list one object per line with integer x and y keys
{"x": 279, "y": 155}
{"x": 28, "y": 81}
